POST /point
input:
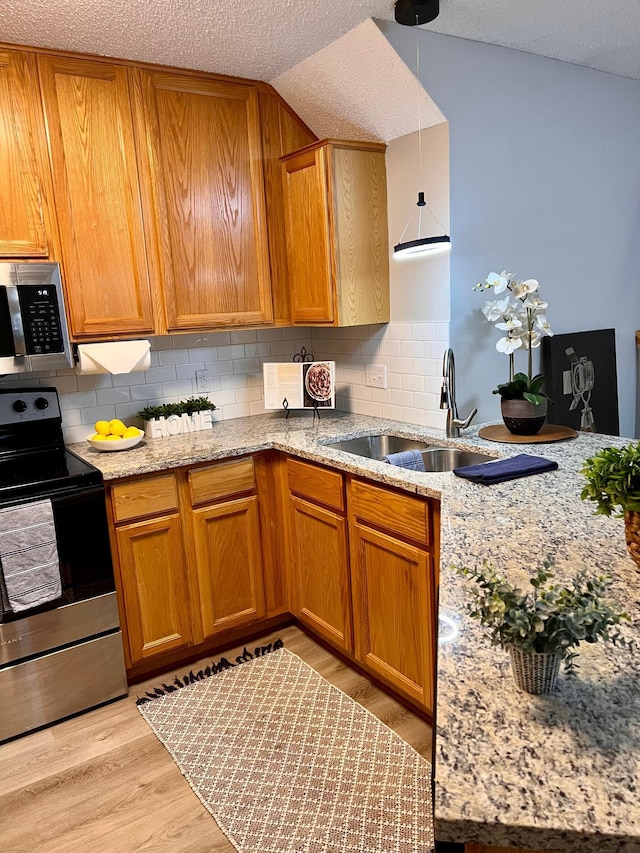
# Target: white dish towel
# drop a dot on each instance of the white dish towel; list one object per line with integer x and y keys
{"x": 29, "y": 555}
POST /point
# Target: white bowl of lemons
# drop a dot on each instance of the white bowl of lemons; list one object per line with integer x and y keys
{"x": 114, "y": 435}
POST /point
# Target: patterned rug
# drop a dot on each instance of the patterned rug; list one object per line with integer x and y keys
{"x": 285, "y": 762}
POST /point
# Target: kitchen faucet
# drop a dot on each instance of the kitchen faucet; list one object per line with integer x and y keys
{"x": 448, "y": 397}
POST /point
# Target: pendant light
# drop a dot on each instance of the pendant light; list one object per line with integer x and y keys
{"x": 412, "y": 13}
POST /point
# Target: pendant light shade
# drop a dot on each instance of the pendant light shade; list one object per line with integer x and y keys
{"x": 412, "y": 13}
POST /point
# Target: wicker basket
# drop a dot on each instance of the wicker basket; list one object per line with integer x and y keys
{"x": 534, "y": 672}
{"x": 632, "y": 535}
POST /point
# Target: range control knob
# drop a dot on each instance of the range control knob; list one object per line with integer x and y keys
{"x": 19, "y": 406}
{"x": 41, "y": 403}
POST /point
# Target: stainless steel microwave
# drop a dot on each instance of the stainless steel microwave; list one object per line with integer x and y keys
{"x": 33, "y": 324}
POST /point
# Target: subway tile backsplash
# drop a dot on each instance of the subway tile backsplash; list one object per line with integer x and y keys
{"x": 411, "y": 352}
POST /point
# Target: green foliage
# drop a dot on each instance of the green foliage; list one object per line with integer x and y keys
{"x": 521, "y": 388}
{"x": 550, "y": 618}
{"x": 613, "y": 480}
{"x": 189, "y": 406}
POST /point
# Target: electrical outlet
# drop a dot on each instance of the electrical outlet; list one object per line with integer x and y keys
{"x": 375, "y": 376}
{"x": 202, "y": 381}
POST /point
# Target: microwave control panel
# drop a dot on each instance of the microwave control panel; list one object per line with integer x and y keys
{"x": 41, "y": 319}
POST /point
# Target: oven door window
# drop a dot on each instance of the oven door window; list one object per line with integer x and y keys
{"x": 83, "y": 548}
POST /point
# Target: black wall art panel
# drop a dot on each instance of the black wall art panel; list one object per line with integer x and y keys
{"x": 581, "y": 380}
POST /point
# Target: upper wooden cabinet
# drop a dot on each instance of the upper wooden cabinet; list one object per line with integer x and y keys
{"x": 336, "y": 226}
{"x": 25, "y": 228}
{"x": 205, "y": 189}
{"x": 97, "y": 197}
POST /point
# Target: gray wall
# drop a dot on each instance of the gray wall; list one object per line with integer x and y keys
{"x": 545, "y": 182}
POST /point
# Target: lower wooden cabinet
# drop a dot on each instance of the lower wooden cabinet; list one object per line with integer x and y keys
{"x": 362, "y": 564}
{"x": 188, "y": 555}
{"x": 154, "y": 584}
{"x": 320, "y": 589}
{"x": 229, "y": 565}
{"x": 393, "y": 611}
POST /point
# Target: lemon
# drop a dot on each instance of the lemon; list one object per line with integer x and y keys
{"x": 116, "y": 427}
{"x": 98, "y": 437}
{"x": 131, "y": 432}
{"x": 102, "y": 427}
{"x": 112, "y": 438}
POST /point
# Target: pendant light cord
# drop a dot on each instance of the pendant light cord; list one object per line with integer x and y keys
{"x": 420, "y": 138}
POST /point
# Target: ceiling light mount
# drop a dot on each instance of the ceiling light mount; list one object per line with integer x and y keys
{"x": 412, "y": 12}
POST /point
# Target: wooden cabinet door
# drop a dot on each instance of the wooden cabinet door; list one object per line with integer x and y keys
{"x": 228, "y": 564}
{"x": 206, "y": 187}
{"x": 393, "y": 610}
{"x": 154, "y": 585}
{"x": 97, "y": 196}
{"x": 320, "y": 589}
{"x": 24, "y": 223}
{"x": 311, "y": 274}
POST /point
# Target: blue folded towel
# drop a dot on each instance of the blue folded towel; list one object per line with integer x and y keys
{"x": 410, "y": 459}
{"x": 506, "y": 469}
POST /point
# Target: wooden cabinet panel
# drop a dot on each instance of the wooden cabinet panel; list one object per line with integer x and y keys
{"x": 318, "y": 484}
{"x": 222, "y": 480}
{"x": 311, "y": 276}
{"x": 155, "y": 586}
{"x": 228, "y": 564}
{"x": 24, "y": 223}
{"x": 320, "y": 589}
{"x": 282, "y": 133}
{"x": 393, "y": 610}
{"x": 97, "y": 194}
{"x": 206, "y": 189}
{"x": 402, "y": 515}
{"x": 145, "y": 496}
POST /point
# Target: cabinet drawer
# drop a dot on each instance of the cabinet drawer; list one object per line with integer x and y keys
{"x": 146, "y": 496}
{"x": 316, "y": 484}
{"x": 221, "y": 480}
{"x": 401, "y": 515}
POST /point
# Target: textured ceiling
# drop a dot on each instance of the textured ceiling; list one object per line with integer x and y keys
{"x": 264, "y": 38}
{"x": 357, "y": 88}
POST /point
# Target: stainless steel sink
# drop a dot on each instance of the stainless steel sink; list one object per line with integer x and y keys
{"x": 378, "y": 446}
{"x": 448, "y": 458}
{"x": 436, "y": 457}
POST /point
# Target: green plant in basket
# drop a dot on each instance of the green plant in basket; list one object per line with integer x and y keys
{"x": 548, "y": 618}
{"x": 188, "y": 407}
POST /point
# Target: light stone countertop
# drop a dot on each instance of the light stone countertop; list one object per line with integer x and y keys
{"x": 560, "y": 772}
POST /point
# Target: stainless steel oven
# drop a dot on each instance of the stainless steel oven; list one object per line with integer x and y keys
{"x": 64, "y": 655}
{"x": 33, "y": 324}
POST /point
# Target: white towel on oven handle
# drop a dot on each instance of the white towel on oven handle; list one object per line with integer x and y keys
{"x": 29, "y": 555}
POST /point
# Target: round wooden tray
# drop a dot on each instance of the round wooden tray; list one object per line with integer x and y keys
{"x": 548, "y": 432}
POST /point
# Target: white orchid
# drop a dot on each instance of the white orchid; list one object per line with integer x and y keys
{"x": 523, "y": 288}
{"x": 496, "y": 309}
{"x": 520, "y": 314}
{"x": 499, "y": 283}
{"x": 508, "y": 345}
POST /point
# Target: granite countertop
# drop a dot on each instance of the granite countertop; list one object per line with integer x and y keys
{"x": 560, "y": 772}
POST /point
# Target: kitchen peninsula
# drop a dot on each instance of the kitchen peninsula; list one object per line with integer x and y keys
{"x": 556, "y": 773}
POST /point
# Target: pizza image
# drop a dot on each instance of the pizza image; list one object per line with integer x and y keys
{"x": 317, "y": 381}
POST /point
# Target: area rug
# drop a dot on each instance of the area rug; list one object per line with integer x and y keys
{"x": 287, "y": 763}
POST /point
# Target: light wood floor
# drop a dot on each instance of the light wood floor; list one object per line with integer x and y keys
{"x": 103, "y": 783}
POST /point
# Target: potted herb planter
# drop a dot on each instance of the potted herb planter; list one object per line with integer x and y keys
{"x": 613, "y": 482}
{"x": 543, "y": 628}
{"x": 170, "y": 419}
